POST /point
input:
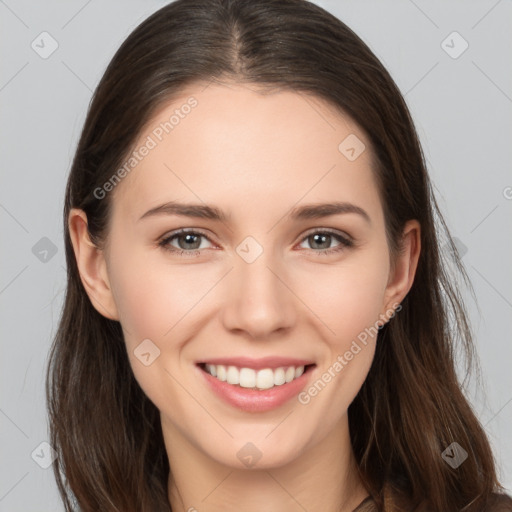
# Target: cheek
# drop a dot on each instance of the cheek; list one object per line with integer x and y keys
{"x": 348, "y": 296}
{"x": 138, "y": 296}
{"x": 151, "y": 299}
{"x": 348, "y": 300}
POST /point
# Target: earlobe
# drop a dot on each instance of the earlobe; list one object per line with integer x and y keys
{"x": 91, "y": 265}
{"x": 402, "y": 274}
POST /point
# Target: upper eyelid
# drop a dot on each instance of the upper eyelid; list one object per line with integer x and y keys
{"x": 184, "y": 231}
{"x": 327, "y": 230}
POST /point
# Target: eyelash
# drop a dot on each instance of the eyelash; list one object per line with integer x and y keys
{"x": 345, "y": 242}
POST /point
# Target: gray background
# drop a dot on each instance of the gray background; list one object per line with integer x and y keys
{"x": 462, "y": 109}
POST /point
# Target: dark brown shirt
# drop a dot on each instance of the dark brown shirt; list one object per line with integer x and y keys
{"x": 498, "y": 503}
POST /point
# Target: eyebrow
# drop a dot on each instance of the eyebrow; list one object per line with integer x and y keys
{"x": 203, "y": 211}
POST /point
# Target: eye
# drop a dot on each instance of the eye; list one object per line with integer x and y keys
{"x": 188, "y": 242}
{"x": 322, "y": 239}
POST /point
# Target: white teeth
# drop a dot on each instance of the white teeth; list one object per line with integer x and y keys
{"x": 247, "y": 378}
{"x": 265, "y": 379}
{"x": 290, "y": 374}
{"x": 250, "y": 378}
{"x": 233, "y": 375}
{"x": 279, "y": 377}
{"x": 221, "y": 372}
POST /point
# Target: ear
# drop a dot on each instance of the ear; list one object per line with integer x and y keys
{"x": 91, "y": 265}
{"x": 403, "y": 270}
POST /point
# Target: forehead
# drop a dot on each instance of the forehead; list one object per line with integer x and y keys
{"x": 235, "y": 145}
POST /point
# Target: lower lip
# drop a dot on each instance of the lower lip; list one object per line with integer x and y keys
{"x": 254, "y": 400}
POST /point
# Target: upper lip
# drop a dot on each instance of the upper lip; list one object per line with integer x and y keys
{"x": 272, "y": 362}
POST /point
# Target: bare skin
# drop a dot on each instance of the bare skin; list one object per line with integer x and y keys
{"x": 255, "y": 157}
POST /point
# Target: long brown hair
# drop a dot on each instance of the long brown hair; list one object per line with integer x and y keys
{"x": 107, "y": 433}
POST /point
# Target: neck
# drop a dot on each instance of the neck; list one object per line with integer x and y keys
{"x": 322, "y": 478}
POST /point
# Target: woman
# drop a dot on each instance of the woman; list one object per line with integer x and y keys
{"x": 211, "y": 356}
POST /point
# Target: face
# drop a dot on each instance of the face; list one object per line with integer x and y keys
{"x": 256, "y": 283}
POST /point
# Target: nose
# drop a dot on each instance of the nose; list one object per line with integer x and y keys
{"x": 259, "y": 300}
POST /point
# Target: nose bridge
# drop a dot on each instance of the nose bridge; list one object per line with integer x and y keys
{"x": 258, "y": 302}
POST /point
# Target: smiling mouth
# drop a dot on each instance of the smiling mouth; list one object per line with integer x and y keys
{"x": 249, "y": 378}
